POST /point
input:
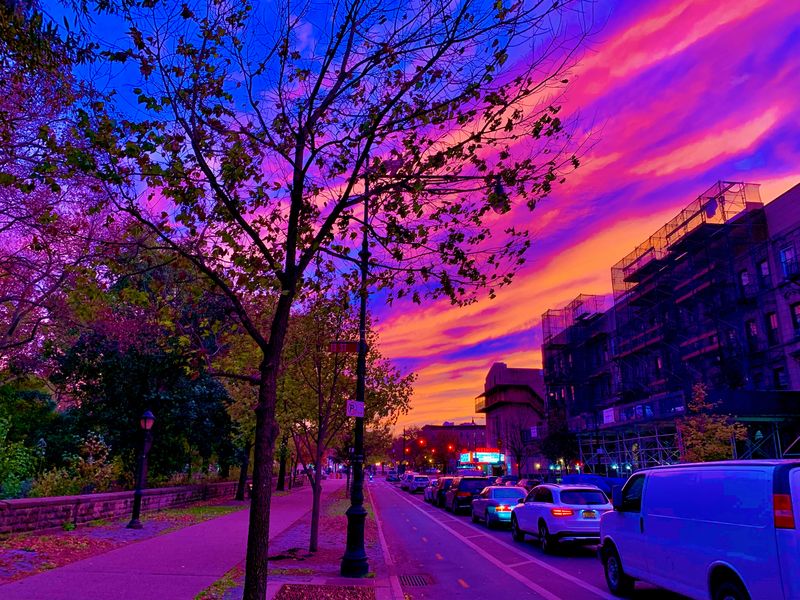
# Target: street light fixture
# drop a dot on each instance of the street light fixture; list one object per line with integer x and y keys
{"x": 146, "y": 423}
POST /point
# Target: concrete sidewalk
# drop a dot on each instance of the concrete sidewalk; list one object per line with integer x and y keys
{"x": 175, "y": 566}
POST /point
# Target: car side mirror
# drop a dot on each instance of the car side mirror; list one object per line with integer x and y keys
{"x": 521, "y": 501}
{"x": 616, "y": 497}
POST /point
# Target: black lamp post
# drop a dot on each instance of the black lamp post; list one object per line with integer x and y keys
{"x": 146, "y": 423}
{"x": 354, "y": 561}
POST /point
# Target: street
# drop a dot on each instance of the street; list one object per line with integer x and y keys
{"x": 437, "y": 554}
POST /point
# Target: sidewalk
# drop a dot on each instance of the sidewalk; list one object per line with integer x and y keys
{"x": 175, "y": 566}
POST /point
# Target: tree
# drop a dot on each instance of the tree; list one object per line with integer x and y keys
{"x": 515, "y": 443}
{"x": 705, "y": 436}
{"x": 253, "y": 146}
{"x": 318, "y": 384}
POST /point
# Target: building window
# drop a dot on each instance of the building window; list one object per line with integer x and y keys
{"x": 751, "y": 328}
{"x": 779, "y": 378}
{"x": 658, "y": 367}
{"x": 758, "y": 380}
{"x": 772, "y": 328}
{"x": 744, "y": 279}
{"x": 795, "y": 309}
{"x": 763, "y": 273}
{"x": 788, "y": 261}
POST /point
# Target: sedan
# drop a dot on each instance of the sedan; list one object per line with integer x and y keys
{"x": 493, "y": 505}
{"x": 418, "y": 484}
{"x": 560, "y": 513}
{"x": 430, "y": 490}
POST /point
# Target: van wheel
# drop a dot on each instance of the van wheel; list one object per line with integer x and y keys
{"x": 516, "y": 533}
{"x": 618, "y": 582}
{"x": 730, "y": 589}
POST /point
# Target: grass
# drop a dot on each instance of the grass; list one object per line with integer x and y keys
{"x": 302, "y": 571}
{"x": 216, "y": 591}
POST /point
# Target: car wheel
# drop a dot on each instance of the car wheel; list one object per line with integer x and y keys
{"x": 546, "y": 541}
{"x": 730, "y": 589}
{"x": 474, "y": 516}
{"x": 516, "y": 533}
{"x": 489, "y": 522}
{"x": 618, "y": 582}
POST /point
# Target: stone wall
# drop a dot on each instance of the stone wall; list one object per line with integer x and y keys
{"x": 31, "y": 514}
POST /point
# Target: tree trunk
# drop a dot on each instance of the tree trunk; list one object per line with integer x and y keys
{"x": 283, "y": 456}
{"x": 255, "y": 580}
{"x": 315, "y": 502}
{"x": 347, "y": 485}
{"x": 243, "y": 474}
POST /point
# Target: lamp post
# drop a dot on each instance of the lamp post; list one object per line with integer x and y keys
{"x": 146, "y": 423}
{"x": 354, "y": 562}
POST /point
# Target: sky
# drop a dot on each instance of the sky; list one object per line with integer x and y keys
{"x": 681, "y": 94}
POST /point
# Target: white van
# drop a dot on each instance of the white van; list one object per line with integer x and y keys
{"x": 724, "y": 530}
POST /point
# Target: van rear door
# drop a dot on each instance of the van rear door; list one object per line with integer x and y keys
{"x": 788, "y": 538}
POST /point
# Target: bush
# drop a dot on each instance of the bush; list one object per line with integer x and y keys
{"x": 55, "y": 482}
{"x": 17, "y": 463}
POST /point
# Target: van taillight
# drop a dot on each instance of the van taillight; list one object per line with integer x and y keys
{"x": 782, "y": 507}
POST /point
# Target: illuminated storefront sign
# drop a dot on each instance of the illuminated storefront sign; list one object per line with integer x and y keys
{"x": 482, "y": 457}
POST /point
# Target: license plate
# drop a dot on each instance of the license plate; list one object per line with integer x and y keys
{"x": 590, "y": 514}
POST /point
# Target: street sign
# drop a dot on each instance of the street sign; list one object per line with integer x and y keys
{"x": 343, "y": 346}
{"x": 355, "y": 408}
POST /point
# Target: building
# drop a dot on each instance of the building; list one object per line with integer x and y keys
{"x": 513, "y": 402}
{"x": 713, "y": 296}
{"x": 465, "y": 437}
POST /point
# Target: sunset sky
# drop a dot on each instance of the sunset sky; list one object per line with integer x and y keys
{"x": 681, "y": 94}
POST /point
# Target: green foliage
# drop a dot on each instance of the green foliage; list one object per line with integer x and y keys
{"x": 706, "y": 436}
{"x": 560, "y": 444}
{"x": 17, "y": 462}
{"x": 55, "y": 482}
{"x": 68, "y": 526}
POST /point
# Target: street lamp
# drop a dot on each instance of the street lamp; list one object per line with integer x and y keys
{"x": 354, "y": 562}
{"x": 146, "y": 423}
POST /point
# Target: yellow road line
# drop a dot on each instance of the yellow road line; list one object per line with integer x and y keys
{"x": 463, "y": 584}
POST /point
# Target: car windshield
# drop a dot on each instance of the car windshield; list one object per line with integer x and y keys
{"x": 446, "y": 484}
{"x": 583, "y": 497}
{"x": 508, "y": 493}
{"x": 473, "y": 485}
{"x": 420, "y": 479}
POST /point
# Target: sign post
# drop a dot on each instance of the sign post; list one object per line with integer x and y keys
{"x": 355, "y": 408}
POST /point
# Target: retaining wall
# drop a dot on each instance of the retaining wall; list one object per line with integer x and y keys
{"x": 31, "y": 514}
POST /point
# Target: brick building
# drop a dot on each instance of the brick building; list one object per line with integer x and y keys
{"x": 513, "y": 402}
{"x": 713, "y": 296}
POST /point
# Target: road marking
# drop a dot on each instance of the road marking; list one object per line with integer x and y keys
{"x": 519, "y": 577}
{"x": 439, "y": 556}
{"x": 463, "y": 584}
{"x": 424, "y": 539}
{"x": 414, "y": 528}
{"x": 394, "y": 581}
{"x": 472, "y": 537}
{"x": 519, "y": 564}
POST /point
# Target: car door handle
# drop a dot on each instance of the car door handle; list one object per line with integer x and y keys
{"x": 641, "y": 524}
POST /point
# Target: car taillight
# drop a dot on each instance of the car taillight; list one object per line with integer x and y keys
{"x": 782, "y": 510}
{"x": 463, "y": 494}
{"x": 502, "y": 508}
{"x": 562, "y": 512}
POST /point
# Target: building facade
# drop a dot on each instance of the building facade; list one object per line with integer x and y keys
{"x": 513, "y": 402}
{"x": 714, "y": 297}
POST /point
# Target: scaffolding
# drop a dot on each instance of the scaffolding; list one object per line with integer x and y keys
{"x": 622, "y": 451}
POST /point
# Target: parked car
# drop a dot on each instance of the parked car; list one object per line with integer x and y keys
{"x": 427, "y": 493}
{"x": 506, "y": 479}
{"x": 462, "y": 491}
{"x": 529, "y": 483}
{"x": 392, "y": 477}
{"x": 418, "y": 483}
{"x": 406, "y": 479}
{"x": 559, "y": 513}
{"x": 441, "y": 489}
{"x": 493, "y": 505}
{"x": 724, "y": 530}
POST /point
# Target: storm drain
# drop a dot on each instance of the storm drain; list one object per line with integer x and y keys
{"x": 414, "y": 580}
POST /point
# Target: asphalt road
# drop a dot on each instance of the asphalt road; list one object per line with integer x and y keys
{"x": 438, "y": 555}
